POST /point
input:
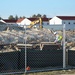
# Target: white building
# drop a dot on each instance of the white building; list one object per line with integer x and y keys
{"x": 23, "y": 21}
{"x": 2, "y": 22}
{"x": 45, "y": 21}
{"x": 62, "y": 20}
{"x": 26, "y": 21}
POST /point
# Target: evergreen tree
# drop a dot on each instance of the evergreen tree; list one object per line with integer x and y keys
{"x": 39, "y": 15}
{"x": 11, "y": 17}
{"x": 23, "y": 16}
{"x": 16, "y": 17}
{"x": 34, "y": 16}
{"x": 0, "y": 18}
{"x": 44, "y": 16}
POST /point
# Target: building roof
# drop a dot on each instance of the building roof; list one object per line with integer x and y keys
{"x": 32, "y": 19}
{"x": 20, "y": 19}
{"x": 1, "y": 22}
{"x": 43, "y": 19}
{"x": 9, "y": 21}
{"x": 46, "y": 19}
{"x": 67, "y": 17}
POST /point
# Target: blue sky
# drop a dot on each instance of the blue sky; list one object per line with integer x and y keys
{"x": 29, "y": 7}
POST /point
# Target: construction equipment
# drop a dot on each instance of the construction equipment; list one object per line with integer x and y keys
{"x": 35, "y": 22}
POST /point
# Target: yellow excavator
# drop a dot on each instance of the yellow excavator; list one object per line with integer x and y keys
{"x": 35, "y": 22}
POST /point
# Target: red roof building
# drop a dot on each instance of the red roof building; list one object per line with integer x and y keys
{"x": 62, "y": 20}
{"x": 27, "y": 21}
{"x": 20, "y": 20}
{"x": 23, "y": 21}
{"x": 67, "y": 17}
{"x": 44, "y": 20}
{"x": 9, "y": 21}
{"x": 32, "y": 19}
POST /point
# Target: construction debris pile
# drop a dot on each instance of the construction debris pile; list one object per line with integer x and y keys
{"x": 30, "y": 36}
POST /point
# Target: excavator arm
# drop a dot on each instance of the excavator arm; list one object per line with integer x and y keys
{"x": 35, "y": 22}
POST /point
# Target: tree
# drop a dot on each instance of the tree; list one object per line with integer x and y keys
{"x": 0, "y": 18}
{"x": 20, "y": 17}
{"x": 16, "y": 17}
{"x": 38, "y": 15}
{"x": 44, "y": 16}
{"x": 34, "y": 16}
{"x": 23, "y": 16}
{"x": 11, "y": 17}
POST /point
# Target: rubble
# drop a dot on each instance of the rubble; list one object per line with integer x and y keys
{"x": 33, "y": 35}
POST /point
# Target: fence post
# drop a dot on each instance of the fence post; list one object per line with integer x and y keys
{"x": 64, "y": 50}
{"x": 25, "y": 51}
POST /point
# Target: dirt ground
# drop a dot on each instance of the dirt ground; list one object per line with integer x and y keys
{"x": 58, "y": 72}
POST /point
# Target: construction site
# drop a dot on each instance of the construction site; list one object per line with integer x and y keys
{"x": 33, "y": 49}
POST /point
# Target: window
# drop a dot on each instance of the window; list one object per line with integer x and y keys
{"x": 69, "y": 23}
{"x": 47, "y": 23}
{"x": 64, "y": 22}
{"x": 42, "y": 23}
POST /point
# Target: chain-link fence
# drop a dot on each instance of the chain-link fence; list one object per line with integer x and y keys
{"x": 32, "y": 50}
{"x": 70, "y": 47}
